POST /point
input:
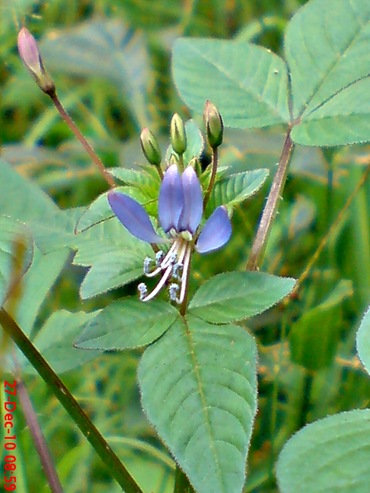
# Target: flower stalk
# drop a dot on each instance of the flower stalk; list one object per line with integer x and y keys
{"x": 31, "y": 57}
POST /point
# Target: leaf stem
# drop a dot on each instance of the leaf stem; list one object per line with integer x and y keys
{"x": 88, "y": 148}
{"x": 269, "y": 212}
{"x": 102, "y": 448}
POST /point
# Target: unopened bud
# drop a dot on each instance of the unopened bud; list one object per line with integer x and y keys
{"x": 150, "y": 147}
{"x": 214, "y": 125}
{"x": 178, "y": 135}
{"x": 29, "y": 52}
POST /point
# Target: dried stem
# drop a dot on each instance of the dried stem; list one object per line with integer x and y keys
{"x": 39, "y": 439}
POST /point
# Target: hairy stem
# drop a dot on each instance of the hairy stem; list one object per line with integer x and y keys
{"x": 90, "y": 151}
{"x": 102, "y": 448}
{"x": 269, "y": 212}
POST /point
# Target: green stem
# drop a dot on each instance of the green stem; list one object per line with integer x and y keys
{"x": 269, "y": 212}
{"x": 90, "y": 151}
{"x": 102, "y": 448}
{"x": 212, "y": 180}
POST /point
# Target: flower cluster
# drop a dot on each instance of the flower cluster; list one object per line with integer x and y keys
{"x": 180, "y": 211}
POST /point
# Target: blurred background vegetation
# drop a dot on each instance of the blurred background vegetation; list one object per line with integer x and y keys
{"x": 111, "y": 62}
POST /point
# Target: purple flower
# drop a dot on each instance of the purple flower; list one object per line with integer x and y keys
{"x": 180, "y": 210}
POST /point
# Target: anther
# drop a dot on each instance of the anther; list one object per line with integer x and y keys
{"x": 143, "y": 290}
{"x": 147, "y": 263}
{"x": 173, "y": 290}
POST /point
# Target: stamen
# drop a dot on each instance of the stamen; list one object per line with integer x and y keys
{"x": 159, "y": 256}
{"x": 172, "y": 290}
{"x": 159, "y": 286}
{"x": 177, "y": 271}
{"x": 147, "y": 263}
{"x": 185, "y": 272}
{"x": 171, "y": 255}
{"x": 143, "y": 290}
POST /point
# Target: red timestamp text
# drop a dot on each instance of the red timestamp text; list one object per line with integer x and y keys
{"x": 10, "y": 444}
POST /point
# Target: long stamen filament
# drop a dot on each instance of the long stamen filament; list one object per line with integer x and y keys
{"x": 185, "y": 272}
{"x": 160, "y": 285}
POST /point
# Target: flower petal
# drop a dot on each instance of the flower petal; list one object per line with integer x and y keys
{"x": 171, "y": 199}
{"x": 193, "y": 201}
{"x": 133, "y": 217}
{"x": 29, "y": 52}
{"x": 216, "y": 231}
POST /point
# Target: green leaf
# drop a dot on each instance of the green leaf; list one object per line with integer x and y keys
{"x": 37, "y": 283}
{"x": 127, "y": 323}
{"x": 237, "y": 295}
{"x": 195, "y": 141}
{"x": 235, "y": 188}
{"x": 55, "y": 341}
{"x": 102, "y": 49}
{"x": 198, "y": 389}
{"x": 330, "y": 455}
{"x": 98, "y": 211}
{"x": 143, "y": 187}
{"x": 146, "y": 178}
{"x": 50, "y": 227}
{"x": 363, "y": 340}
{"x": 114, "y": 255}
{"x": 328, "y": 53}
{"x": 314, "y": 337}
{"x": 16, "y": 252}
{"x": 111, "y": 271}
{"x": 247, "y": 83}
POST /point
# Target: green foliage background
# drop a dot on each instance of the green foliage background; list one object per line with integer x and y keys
{"x": 111, "y": 64}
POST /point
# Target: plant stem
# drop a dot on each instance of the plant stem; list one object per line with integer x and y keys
{"x": 38, "y": 438}
{"x": 271, "y": 206}
{"x": 102, "y": 448}
{"x": 213, "y": 176}
{"x": 88, "y": 148}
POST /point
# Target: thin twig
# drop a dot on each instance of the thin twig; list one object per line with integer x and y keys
{"x": 38, "y": 438}
{"x": 271, "y": 206}
{"x": 88, "y": 148}
{"x": 102, "y": 448}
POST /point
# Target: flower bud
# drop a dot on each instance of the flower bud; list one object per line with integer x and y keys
{"x": 214, "y": 125}
{"x": 178, "y": 135}
{"x": 150, "y": 147}
{"x": 29, "y": 52}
